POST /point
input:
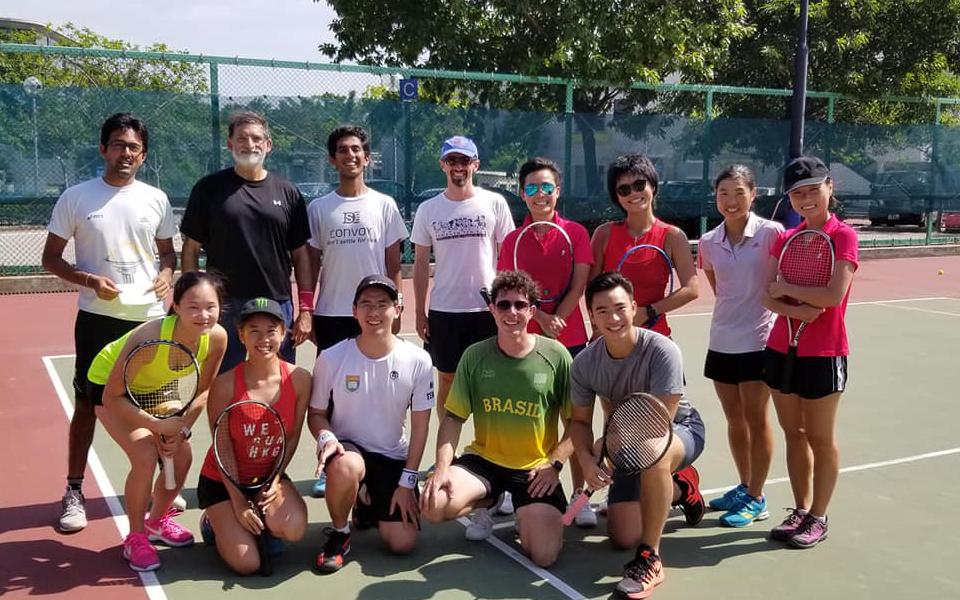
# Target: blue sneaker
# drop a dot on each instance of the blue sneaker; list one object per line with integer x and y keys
{"x": 206, "y": 530}
{"x": 320, "y": 486}
{"x": 730, "y": 500}
{"x": 750, "y": 509}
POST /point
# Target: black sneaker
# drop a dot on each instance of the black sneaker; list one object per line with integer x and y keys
{"x": 691, "y": 501}
{"x": 331, "y": 558}
{"x": 642, "y": 574}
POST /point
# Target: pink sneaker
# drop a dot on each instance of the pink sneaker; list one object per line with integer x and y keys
{"x": 140, "y": 553}
{"x": 811, "y": 532}
{"x": 167, "y": 531}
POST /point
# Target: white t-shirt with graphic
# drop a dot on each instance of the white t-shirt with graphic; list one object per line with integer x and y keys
{"x": 371, "y": 397}
{"x": 115, "y": 231}
{"x": 353, "y": 234}
{"x": 464, "y": 235}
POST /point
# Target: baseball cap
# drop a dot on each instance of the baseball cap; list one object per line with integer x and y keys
{"x": 261, "y": 305}
{"x": 804, "y": 170}
{"x": 459, "y": 144}
{"x": 379, "y": 281}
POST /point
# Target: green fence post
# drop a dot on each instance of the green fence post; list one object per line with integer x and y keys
{"x": 934, "y": 170}
{"x": 706, "y": 160}
{"x": 407, "y": 158}
{"x": 828, "y": 153}
{"x": 568, "y": 134}
{"x": 214, "y": 117}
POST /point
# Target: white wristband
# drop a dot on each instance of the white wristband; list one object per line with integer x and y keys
{"x": 408, "y": 479}
{"x": 324, "y": 437}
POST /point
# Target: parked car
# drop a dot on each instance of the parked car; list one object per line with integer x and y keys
{"x": 899, "y": 197}
{"x": 950, "y": 220}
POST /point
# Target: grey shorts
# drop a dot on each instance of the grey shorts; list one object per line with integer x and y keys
{"x": 690, "y": 431}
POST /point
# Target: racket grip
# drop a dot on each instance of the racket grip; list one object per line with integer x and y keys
{"x": 575, "y": 507}
{"x": 169, "y": 477}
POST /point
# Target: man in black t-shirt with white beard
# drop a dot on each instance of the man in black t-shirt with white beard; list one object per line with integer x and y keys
{"x": 253, "y": 226}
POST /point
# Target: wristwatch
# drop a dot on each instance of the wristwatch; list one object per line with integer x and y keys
{"x": 651, "y": 312}
{"x": 557, "y": 465}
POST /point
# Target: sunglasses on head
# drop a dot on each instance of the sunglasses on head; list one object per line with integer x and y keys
{"x": 626, "y": 189}
{"x": 518, "y": 305}
{"x": 546, "y": 187}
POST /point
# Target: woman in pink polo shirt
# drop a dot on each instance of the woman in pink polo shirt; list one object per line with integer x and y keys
{"x": 808, "y": 416}
{"x": 734, "y": 257}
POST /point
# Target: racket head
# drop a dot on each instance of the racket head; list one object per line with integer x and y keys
{"x": 638, "y": 433}
{"x": 249, "y": 444}
{"x": 161, "y": 377}
{"x": 530, "y": 264}
{"x": 807, "y": 259}
{"x": 651, "y": 261}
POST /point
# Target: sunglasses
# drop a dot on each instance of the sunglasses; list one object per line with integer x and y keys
{"x": 456, "y": 161}
{"x": 546, "y": 187}
{"x": 518, "y": 305}
{"x": 626, "y": 189}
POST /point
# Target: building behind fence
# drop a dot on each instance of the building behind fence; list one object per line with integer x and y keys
{"x": 49, "y": 136}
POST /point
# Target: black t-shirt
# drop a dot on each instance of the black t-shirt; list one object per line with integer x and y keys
{"x": 248, "y": 229}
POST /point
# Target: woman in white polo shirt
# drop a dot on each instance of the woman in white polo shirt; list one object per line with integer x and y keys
{"x": 733, "y": 256}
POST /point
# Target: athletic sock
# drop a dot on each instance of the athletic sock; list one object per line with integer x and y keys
{"x": 75, "y": 483}
{"x": 344, "y": 529}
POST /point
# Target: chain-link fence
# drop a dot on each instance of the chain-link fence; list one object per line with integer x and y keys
{"x": 49, "y": 138}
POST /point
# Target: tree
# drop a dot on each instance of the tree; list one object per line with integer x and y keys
{"x": 618, "y": 43}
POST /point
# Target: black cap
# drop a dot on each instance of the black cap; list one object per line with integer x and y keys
{"x": 261, "y": 305}
{"x": 804, "y": 170}
{"x": 380, "y": 281}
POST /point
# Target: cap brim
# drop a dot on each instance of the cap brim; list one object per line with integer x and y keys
{"x": 390, "y": 291}
{"x": 457, "y": 151}
{"x": 807, "y": 181}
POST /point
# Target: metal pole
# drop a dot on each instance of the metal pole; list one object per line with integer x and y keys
{"x": 36, "y": 151}
{"x": 214, "y": 117}
{"x": 568, "y": 137}
{"x": 799, "y": 101}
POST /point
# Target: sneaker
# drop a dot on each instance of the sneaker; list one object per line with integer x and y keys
{"x": 642, "y": 574}
{"x": 785, "y": 530}
{"x": 750, "y": 509}
{"x": 167, "y": 531}
{"x": 207, "y": 534}
{"x": 179, "y": 504}
{"x": 74, "y": 517}
{"x": 363, "y": 517}
{"x": 811, "y": 532}
{"x": 480, "y": 527}
{"x": 730, "y": 500}
{"x": 331, "y": 558}
{"x": 506, "y": 504}
{"x": 320, "y": 486}
{"x": 140, "y": 553}
{"x": 602, "y": 507}
{"x": 691, "y": 501}
{"x": 586, "y": 517}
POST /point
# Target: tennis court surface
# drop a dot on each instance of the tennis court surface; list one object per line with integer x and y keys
{"x": 891, "y": 528}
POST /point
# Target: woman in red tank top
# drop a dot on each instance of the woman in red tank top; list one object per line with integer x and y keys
{"x": 263, "y": 377}
{"x": 632, "y": 185}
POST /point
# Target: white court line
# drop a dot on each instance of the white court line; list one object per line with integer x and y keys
{"x": 864, "y": 303}
{"x": 544, "y": 574}
{"x": 923, "y": 310}
{"x": 149, "y": 578}
{"x": 863, "y": 467}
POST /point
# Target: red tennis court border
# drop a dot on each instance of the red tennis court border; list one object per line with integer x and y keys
{"x": 40, "y": 561}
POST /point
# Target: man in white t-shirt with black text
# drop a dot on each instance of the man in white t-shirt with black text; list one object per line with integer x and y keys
{"x": 123, "y": 238}
{"x": 372, "y": 380}
{"x": 355, "y": 231}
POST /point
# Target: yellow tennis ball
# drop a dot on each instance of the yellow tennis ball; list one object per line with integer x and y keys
{"x": 940, "y": 272}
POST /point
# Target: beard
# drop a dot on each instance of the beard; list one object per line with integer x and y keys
{"x": 250, "y": 160}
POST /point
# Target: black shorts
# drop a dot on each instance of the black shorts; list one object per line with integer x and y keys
{"x": 211, "y": 491}
{"x": 733, "y": 368}
{"x": 91, "y": 332}
{"x": 691, "y": 431}
{"x": 499, "y": 479}
{"x": 332, "y": 330}
{"x": 381, "y": 478}
{"x": 451, "y": 334}
{"x": 813, "y": 376}
{"x": 94, "y": 393}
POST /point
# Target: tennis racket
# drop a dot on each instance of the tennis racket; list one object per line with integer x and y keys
{"x": 651, "y": 271}
{"x": 635, "y": 437}
{"x": 249, "y": 442}
{"x": 161, "y": 378}
{"x": 532, "y": 261}
{"x": 806, "y": 260}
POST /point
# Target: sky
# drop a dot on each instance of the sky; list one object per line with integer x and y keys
{"x": 280, "y": 29}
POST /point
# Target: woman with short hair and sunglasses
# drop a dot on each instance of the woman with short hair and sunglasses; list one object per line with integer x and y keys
{"x": 632, "y": 184}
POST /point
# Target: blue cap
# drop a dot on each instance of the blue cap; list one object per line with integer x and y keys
{"x": 459, "y": 144}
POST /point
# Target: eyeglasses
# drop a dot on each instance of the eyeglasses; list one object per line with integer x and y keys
{"x": 518, "y": 305}
{"x": 638, "y": 185}
{"x": 119, "y": 146}
{"x": 457, "y": 161}
{"x": 546, "y": 187}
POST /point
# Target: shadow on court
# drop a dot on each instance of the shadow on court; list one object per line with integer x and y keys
{"x": 52, "y": 566}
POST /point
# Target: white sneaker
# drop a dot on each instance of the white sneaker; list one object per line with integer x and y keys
{"x": 586, "y": 517}
{"x": 506, "y": 504}
{"x": 74, "y": 517}
{"x": 480, "y": 527}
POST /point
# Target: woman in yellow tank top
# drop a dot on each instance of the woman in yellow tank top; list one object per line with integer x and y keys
{"x": 192, "y": 321}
